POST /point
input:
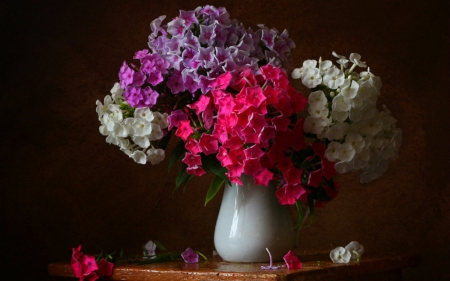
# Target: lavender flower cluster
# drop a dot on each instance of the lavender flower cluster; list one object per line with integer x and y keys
{"x": 187, "y": 53}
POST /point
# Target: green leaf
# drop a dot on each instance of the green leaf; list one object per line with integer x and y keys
{"x": 185, "y": 184}
{"x": 182, "y": 176}
{"x": 311, "y": 204}
{"x": 214, "y": 188}
{"x": 165, "y": 141}
{"x": 300, "y": 215}
{"x": 176, "y": 154}
{"x": 210, "y": 163}
{"x": 160, "y": 245}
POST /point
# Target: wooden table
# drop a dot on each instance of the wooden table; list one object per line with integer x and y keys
{"x": 316, "y": 266}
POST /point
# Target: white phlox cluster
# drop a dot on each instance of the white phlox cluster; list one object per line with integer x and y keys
{"x": 132, "y": 134}
{"x": 342, "y": 111}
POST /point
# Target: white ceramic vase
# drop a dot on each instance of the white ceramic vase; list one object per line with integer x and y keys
{"x": 251, "y": 220}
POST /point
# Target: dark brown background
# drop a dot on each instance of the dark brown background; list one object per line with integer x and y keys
{"x": 63, "y": 185}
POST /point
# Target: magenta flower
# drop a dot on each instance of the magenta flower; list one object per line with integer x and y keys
{"x": 192, "y": 160}
{"x": 190, "y": 256}
{"x": 208, "y": 144}
{"x": 105, "y": 268}
{"x": 175, "y": 117}
{"x": 88, "y": 264}
{"x": 292, "y": 261}
{"x": 184, "y": 129}
{"x": 289, "y": 194}
{"x": 252, "y": 166}
{"x": 264, "y": 177}
{"x": 315, "y": 178}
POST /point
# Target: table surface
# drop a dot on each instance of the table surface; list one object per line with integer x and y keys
{"x": 316, "y": 266}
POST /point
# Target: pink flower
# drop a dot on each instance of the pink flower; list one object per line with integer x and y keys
{"x": 208, "y": 144}
{"x": 105, "y": 268}
{"x": 88, "y": 264}
{"x": 196, "y": 171}
{"x": 292, "y": 261}
{"x": 252, "y": 166}
{"x": 192, "y": 160}
{"x": 200, "y": 105}
{"x": 289, "y": 194}
{"x": 184, "y": 129}
{"x": 190, "y": 256}
{"x": 263, "y": 177}
{"x": 270, "y": 72}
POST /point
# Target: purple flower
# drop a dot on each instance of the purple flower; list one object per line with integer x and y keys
{"x": 189, "y": 17}
{"x": 222, "y": 55}
{"x": 176, "y": 83}
{"x": 268, "y": 37}
{"x": 207, "y": 34}
{"x": 191, "y": 41}
{"x": 141, "y": 54}
{"x": 176, "y": 27}
{"x": 147, "y": 65}
{"x": 133, "y": 95}
{"x": 190, "y": 256}
{"x": 155, "y": 25}
{"x": 149, "y": 97}
{"x": 154, "y": 78}
{"x": 205, "y": 55}
{"x": 175, "y": 117}
{"x": 138, "y": 79}
{"x": 190, "y": 81}
{"x": 126, "y": 75}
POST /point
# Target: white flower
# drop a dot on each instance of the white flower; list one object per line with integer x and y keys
{"x": 372, "y": 127}
{"x": 341, "y": 60}
{"x": 161, "y": 119}
{"x": 119, "y": 130}
{"x": 367, "y": 91}
{"x": 155, "y": 156}
{"x": 317, "y": 97}
{"x": 318, "y": 110}
{"x": 103, "y": 108}
{"x": 340, "y": 103}
{"x": 356, "y": 249}
{"x": 115, "y": 112}
{"x": 356, "y": 141}
{"x": 145, "y": 114}
{"x": 339, "y": 116}
{"x": 314, "y": 125}
{"x": 350, "y": 89}
{"x": 156, "y": 132}
{"x": 116, "y": 92}
{"x": 311, "y": 78}
{"x": 151, "y": 248}
{"x": 360, "y": 160}
{"x": 330, "y": 152}
{"x": 139, "y": 157}
{"x": 324, "y": 66}
{"x": 356, "y": 59}
{"x": 141, "y": 128}
{"x": 345, "y": 152}
{"x": 108, "y": 122}
{"x": 337, "y": 131}
{"x": 309, "y": 64}
{"x": 297, "y": 73}
{"x": 342, "y": 167}
{"x": 340, "y": 255}
{"x": 141, "y": 141}
{"x": 334, "y": 78}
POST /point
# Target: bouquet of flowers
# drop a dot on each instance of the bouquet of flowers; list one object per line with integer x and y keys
{"x": 224, "y": 91}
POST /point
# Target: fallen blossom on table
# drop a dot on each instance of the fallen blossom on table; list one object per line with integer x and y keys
{"x": 340, "y": 255}
{"x": 292, "y": 261}
{"x": 105, "y": 268}
{"x": 355, "y": 249}
{"x": 190, "y": 256}
{"x": 270, "y": 266}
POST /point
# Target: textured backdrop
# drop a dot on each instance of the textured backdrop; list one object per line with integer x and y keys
{"x": 63, "y": 185}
